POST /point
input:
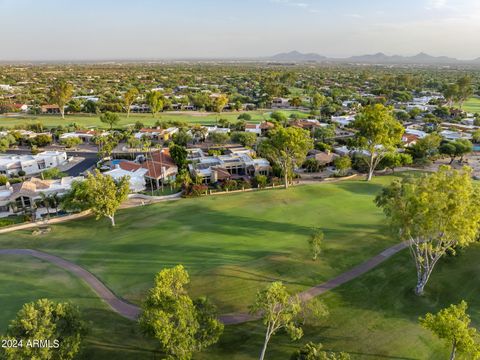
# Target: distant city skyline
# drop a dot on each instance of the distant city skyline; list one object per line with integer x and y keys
{"x": 149, "y": 29}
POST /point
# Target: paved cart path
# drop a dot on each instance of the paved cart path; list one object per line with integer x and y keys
{"x": 130, "y": 311}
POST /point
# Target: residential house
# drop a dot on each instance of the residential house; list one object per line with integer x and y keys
{"x": 260, "y": 128}
{"x": 50, "y": 109}
{"x": 307, "y": 124}
{"x": 344, "y": 120}
{"x": 455, "y": 135}
{"x": 236, "y": 164}
{"x": 160, "y": 168}
{"x": 280, "y": 103}
{"x": 87, "y": 136}
{"x": 409, "y": 139}
{"x": 136, "y": 176}
{"x": 23, "y": 196}
{"x": 31, "y": 164}
{"x": 324, "y": 158}
{"x": 157, "y": 133}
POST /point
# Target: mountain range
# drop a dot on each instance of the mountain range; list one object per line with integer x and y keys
{"x": 379, "y": 58}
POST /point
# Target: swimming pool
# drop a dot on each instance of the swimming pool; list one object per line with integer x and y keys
{"x": 116, "y": 162}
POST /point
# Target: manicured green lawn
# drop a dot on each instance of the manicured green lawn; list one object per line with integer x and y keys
{"x": 146, "y": 119}
{"x": 472, "y": 105}
{"x": 29, "y": 279}
{"x": 232, "y": 246}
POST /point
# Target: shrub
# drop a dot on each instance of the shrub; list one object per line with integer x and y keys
{"x": 323, "y": 146}
{"x": 6, "y": 222}
{"x": 245, "y": 116}
{"x": 3, "y": 180}
{"x": 311, "y": 165}
{"x": 196, "y": 190}
{"x": 260, "y": 181}
{"x": 229, "y": 185}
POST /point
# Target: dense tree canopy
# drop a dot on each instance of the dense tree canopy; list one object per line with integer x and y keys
{"x": 434, "y": 213}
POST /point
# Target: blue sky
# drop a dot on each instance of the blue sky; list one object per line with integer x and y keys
{"x": 122, "y": 29}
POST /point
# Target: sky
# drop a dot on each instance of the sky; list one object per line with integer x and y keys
{"x": 168, "y": 29}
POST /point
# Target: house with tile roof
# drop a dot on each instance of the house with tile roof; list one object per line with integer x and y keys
{"x": 25, "y": 195}
{"x": 158, "y": 168}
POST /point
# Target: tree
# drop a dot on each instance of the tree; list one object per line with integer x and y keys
{"x": 279, "y": 311}
{"x": 110, "y": 119}
{"x": 325, "y": 133}
{"x": 179, "y": 155}
{"x": 434, "y": 213}
{"x": 452, "y": 324}
{"x": 219, "y": 138}
{"x": 378, "y": 132}
{"x": 41, "y": 140}
{"x": 312, "y": 351}
{"x": 60, "y": 94}
{"x": 245, "y": 138}
{"x": 71, "y": 142}
{"x": 476, "y": 136}
{"x": 318, "y": 100}
{"x": 394, "y": 159}
{"x": 343, "y": 164}
{"x": 456, "y": 148}
{"x": 220, "y": 102}
{"x": 288, "y": 148}
{"x": 155, "y": 101}
{"x": 224, "y": 123}
{"x": 6, "y": 141}
{"x": 180, "y": 324}
{"x": 426, "y": 147}
{"x": 77, "y": 198}
{"x": 451, "y": 93}
{"x": 182, "y": 137}
{"x": 280, "y": 117}
{"x": 183, "y": 178}
{"x": 128, "y": 99}
{"x": 52, "y": 173}
{"x": 296, "y": 101}
{"x": 245, "y": 116}
{"x": 315, "y": 242}
{"x": 465, "y": 89}
{"x": 105, "y": 195}
{"x": 58, "y": 323}
{"x": 106, "y": 145}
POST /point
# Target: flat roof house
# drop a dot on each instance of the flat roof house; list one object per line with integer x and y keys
{"x": 31, "y": 164}
{"x": 237, "y": 164}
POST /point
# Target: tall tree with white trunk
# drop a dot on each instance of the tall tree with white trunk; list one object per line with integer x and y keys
{"x": 279, "y": 311}
{"x": 105, "y": 195}
{"x": 434, "y": 213}
{"x": 378, "y": 133}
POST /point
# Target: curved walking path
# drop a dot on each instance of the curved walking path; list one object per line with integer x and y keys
{"x": 132, "y": 312}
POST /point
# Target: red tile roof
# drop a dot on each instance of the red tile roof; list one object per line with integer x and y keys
{"x": 159, "y": 160}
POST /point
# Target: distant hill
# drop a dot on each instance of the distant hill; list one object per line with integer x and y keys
{"x": 420, "y": 58}
{"x": 378, "y": 58}
{"x": 295, "y": 56}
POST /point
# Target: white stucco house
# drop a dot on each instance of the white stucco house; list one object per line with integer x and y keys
{"x": 31, "y": 164}
{"x": 136, "y": 177}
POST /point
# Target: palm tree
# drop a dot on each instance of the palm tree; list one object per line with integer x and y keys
{"x": 45, "y": 201}
{"x": 55, "y": 201}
